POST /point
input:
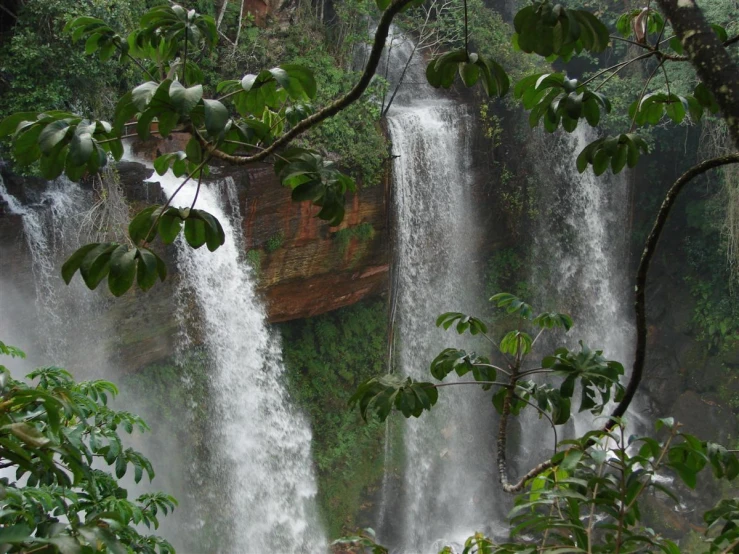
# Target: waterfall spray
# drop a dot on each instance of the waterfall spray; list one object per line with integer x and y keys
{"x": 448, "y": 478}
{"x": 262, "y": 445}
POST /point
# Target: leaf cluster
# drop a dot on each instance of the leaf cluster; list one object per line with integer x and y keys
{"x": 380, "y": 395}
{"x": 559, "y": 100}
{"x": 552, "y": 31}
{"x": 315, "y": 179}
{"x": 441, "y": 72}
{"x": 54, "y": 437}
{"x": 597, "y": 377}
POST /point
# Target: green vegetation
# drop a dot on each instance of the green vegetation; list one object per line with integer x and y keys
{"x": 254, "y": 259}
{"x": 326, "y": 358}
{"x": 507, "y": 269}
{"x": 274, "y": 243}
{"x": 354, "y": 136}
{"x": 73, "y": 80}
{"x": 55, "y": 437}
{"x": 712, "y": 286}
{"x": 590, "y": 497}
{"x": 362, "y": 232}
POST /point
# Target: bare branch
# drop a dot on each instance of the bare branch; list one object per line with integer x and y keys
{"x": 641, "y": 278}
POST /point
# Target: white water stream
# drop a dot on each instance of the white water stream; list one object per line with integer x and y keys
{"x": 579, "y": 258}
{"x": 447, "y": 488}
{"x": 260, "y": 466}
{"x": 54, "y": 324}
{"x": 262, "y": 443}
{"x": 581, "y": 253}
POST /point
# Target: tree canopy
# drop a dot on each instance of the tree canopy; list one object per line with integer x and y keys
{"x": 55, "y": 435}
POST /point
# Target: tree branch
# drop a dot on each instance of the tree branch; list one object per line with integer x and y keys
{"x": 713, "y": 64}
{"x": 6, "y": 10}
{"x": 497, "y": 383}
{"x": 352, "y": 96}
{"x": 641, "y": 279}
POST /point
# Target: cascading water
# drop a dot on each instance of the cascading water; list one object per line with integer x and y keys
{"x": 262, "y": 446}
{"x": 581, "y": 252}
{"x": 51, "y": 222}
{"x": 447, "y": 490}
{"x": 580, "y": 260}
{"x": 259, "y": 488}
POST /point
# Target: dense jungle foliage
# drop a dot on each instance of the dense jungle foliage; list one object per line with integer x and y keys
{"x": 329, "y": 356}
{"x": 326, "y": 358}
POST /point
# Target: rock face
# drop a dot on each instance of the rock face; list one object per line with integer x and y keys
{"x": 306, "y": 267}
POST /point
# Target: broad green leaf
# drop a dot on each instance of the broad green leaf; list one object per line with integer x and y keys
{"x": 216, "y": 116}
{"x": 53, "y": 134}
{"x": 140, "y": 229}
{"x": 195, "y": 232}
{"x": 142, "y": 95}
{"x": 73, "y": 263}
{"x": 146, "y": 270}
{"x": 169, "y": 227}
{"x": 96, "y": 265}
{"x": 185, "y": 99}
{"x": 9, "y": 125}
{"x": 122, "y": 270}
{"x": 15, "y": 534}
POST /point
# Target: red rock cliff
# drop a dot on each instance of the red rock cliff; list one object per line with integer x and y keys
{"x": 305, "y": 266}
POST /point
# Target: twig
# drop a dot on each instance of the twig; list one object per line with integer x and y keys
{"x": 184, "y": 63}
{"x": 542, "y": 412}
{"x": 169, "y": 200}
{"x": 138, "y": 63}
{"x": 533, "y": 371}
{"x": 635, "y": 43}
{"x": 592, "y": 509}
{"x": 667, "y": 81}
{"x": 622, "y": 482}
{"x": 497, "y": 383}
{"x": 229, "y": 95}
{"x": 6, "y": 10}
{"x": 246, "y": 144}
{"x": 533, "y": 342}
{"x": 495, "y": 367}
{"x": 619, "y": 66}
{"x": 197, "y": 190}
{"x": 641, "y": 96}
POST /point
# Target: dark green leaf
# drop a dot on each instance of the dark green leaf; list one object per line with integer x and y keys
{"x": 122, "y": 270}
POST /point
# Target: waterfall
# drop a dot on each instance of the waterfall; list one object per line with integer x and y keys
{"x": 580, "y": 253}
{"x": 581, "y": 246}
{"x": 579, "y": 258}
{"x": 51, "y": 222}
{"x": 258, "y": 482}
{"x": 447, "y": 490}
{"x": 262, "y": 446}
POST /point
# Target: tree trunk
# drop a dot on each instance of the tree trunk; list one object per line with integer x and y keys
{"x": 708, "y": 55}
